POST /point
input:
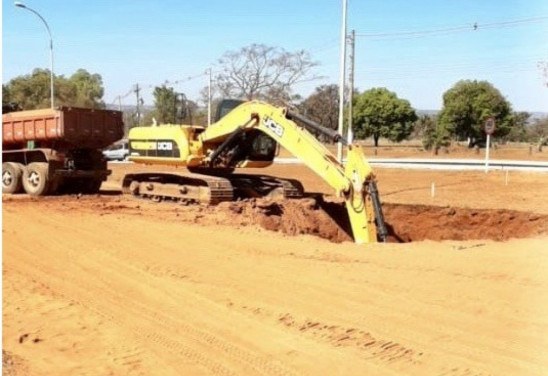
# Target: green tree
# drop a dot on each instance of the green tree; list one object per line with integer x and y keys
{"x": 518, "y": 131}
{"x": 88, "y": 89}
{"x": 32, "y": 91}
{"x": 171, "y": 107}
{"x": 379, "y": 112}
{"x": 434, "y": 136}
{"x": 468, "y": 104}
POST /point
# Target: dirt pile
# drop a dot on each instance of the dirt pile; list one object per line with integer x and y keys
{"x": 292, "y": 217}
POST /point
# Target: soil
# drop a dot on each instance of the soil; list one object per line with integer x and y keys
{"x": 108, "y": 284}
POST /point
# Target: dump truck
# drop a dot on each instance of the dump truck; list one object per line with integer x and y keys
{"x": 51, "y": 151}
{"x": 248, "y": 135}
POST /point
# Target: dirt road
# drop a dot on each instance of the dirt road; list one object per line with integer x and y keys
{"x": 103, "y": 285}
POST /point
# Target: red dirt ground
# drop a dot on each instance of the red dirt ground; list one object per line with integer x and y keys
{"x": 106, "y": 284}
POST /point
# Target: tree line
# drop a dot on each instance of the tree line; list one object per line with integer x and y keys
{"x": 270, "y": 74}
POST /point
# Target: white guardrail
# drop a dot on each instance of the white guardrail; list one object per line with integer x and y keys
{"x": 437, "y": 164}
{"x": 445, "y": 164}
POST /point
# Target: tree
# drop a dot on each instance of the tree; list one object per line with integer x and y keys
{"x": 88, "y": 89}
{"x": 322, "y": 106}
{"x": 434, "y": 136}
{"x": 32, "y": 91}
{"x": 468, "y": 104}
{"x": 538, "y": 132}
{"x": 262, "y": 72}
{"x": 171, "y": 107}
{"x": 379, "y": 112}
{"x": 518, "y": 131}
{"x": 165, "y": 104}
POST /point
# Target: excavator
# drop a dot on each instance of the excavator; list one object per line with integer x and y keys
{"x": 248, "y": 134}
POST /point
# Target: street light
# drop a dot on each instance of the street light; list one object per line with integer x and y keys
{"x": 21, "y": 5}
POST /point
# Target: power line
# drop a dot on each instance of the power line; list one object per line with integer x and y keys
{"x": 450, "y": 30}
{"x": 150, "y": 86}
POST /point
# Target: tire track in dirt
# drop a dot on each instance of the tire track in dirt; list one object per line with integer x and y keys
{"x": 384, "y": 350}
{"x": 258, "y": 364}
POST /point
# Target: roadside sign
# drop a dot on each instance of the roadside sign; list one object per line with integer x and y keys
{"x": 489, "y": 130}
{"x": 490, "y": 126}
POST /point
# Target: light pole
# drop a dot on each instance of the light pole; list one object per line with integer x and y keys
{"x": 342, "y": 79}
{"x": 21, "y": 5}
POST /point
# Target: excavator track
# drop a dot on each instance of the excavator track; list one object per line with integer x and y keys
{"x": 186, "y": 187}
{"x": 209, "y": 189}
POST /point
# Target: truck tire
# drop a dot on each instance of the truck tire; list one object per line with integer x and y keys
{"x": 35, "y": 179}
{"x": 11, "y": 177}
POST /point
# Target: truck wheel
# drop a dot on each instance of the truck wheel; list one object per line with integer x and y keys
{"x": 36, "y": 179}
{"x": 11, "y": 177}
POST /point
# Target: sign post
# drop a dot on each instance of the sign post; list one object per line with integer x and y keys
{"x": 489, "y": 130}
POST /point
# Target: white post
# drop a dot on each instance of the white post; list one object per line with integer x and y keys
{"x": 341, "y": 79}
{"x": 487, "y": 153}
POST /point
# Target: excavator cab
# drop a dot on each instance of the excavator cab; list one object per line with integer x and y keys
{"x": 248, "y": 147}
{"x": 225, "y": 106}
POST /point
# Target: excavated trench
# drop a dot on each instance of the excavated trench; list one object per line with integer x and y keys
{"x": 315, "y": 215}
{"x": 405, "y": 223}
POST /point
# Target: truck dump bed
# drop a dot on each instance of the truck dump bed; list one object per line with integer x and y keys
{"x": 81, "y": 127}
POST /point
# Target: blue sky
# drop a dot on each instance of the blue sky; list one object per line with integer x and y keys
{"x": 149, "y": 42}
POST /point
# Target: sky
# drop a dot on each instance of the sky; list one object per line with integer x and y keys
{"x": 151, "y": 42}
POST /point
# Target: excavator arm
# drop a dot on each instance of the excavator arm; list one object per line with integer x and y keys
{"x": 354, "y": 181}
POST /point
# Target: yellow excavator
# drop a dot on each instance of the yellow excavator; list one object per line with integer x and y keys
{"x": 246, "y": 135}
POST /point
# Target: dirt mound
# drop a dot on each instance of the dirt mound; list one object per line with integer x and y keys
{"x": 292, "y": 217}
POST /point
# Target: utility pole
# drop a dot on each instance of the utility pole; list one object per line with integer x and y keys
{"x": 137, "y": 89}
{"x": 342, "y": 79}
{"x": 175, "y": 97}
{"x": 209, "y": 99}
{"x": 350, "y": 134}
